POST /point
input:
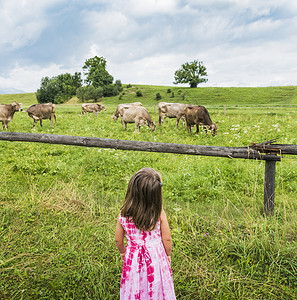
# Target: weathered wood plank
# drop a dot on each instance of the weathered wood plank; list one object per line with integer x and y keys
{"x": 283, "y": 148}
{"x": 230, "y": 152}
{"x": 269, "y": 188}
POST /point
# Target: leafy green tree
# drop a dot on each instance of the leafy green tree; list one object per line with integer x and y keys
{"x": 80, "y": 93}
{"x": 95, "y": 70}
{"x": 192, "y": 73}
{"x": 68, "y": 84}
{"x": 118, "y": 84}
{"x": 58, "y": 89}
{"x": 48, "y": 90}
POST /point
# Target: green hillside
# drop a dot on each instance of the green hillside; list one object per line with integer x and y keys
{"x": 27, "y": 99}
{"x": 215, "y": 96}
{"x": 208, "y": 96}
{"x": 59, "y": 203}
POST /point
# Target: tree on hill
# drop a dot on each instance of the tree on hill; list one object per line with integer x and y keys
{"x": 98, "y": 77}
{"x": 192, "y": 73}
{"x": 95, "y": 70}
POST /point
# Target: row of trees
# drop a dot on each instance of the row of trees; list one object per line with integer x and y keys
{"x": 58, "y": 89}
{"x": 61, "y": 88}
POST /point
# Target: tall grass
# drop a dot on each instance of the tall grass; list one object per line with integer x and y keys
{"x": 59, "y": 204}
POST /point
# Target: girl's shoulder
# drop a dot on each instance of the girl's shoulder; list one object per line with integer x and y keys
{"x": 124, "y": 220}
{"x": 163, "y": 217}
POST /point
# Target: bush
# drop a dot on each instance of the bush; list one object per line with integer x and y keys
{"x": 110, "y": 90}
{"x": 139, "y": 93}
{"x": 86, "y": 93}
{"x": 158, "y": 96}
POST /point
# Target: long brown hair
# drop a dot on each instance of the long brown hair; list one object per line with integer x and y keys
{"x": 143, "y": 201}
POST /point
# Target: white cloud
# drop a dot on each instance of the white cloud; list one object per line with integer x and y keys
{"x": 28, "y": 78}
{"x": 22, "y": 22}
{"x": 260, "y": 65}
{"x": 241, "y": 42}
{"x": 155, "y": 70}
{"x": 150, "y": 7}
{"x": 104, "y": 26}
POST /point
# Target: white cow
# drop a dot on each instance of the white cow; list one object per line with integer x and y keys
{"x": 138, "y": 115}
{"x": 117, "y": 114}
{"x": 171, "y": 110}
{"x": 92, "y": 108}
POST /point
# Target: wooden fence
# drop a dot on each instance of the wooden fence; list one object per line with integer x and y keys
{"x": 267, "y": 151}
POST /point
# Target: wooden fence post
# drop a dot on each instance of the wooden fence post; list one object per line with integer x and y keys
{"x": 254, "y": 152}
{"x": 269, "y": 187}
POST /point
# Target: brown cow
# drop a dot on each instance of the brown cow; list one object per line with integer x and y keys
{"x": 92, "y": 107}
{"x": 171, "y": 110}
{"x": 138, "y": 115}
{"x": 198, "y": 115}
{"x": 117, "y": 114}
{"x": 38, "y": 112}
{"x": 7, "y": 111}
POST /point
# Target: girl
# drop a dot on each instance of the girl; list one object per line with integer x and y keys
{"x": 146, "y": 272}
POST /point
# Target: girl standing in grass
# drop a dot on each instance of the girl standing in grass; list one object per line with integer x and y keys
{"x": 146, "y": 272}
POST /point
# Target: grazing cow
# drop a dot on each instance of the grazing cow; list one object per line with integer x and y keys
{"x": 7, "y": 111}
{"x": 138, "y": 115}
{"x": 92, "y": 107}
{"x": 117, "y": 112}
{"x": 38, "y": 112}
{"x": 171, "y": 110}
{"x": 198, "y": 115}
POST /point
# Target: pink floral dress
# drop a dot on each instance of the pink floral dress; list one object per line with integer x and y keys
{"x": 146, "y": 270}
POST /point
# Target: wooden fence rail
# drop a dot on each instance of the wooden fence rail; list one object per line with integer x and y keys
{"x": 264, "y": 151}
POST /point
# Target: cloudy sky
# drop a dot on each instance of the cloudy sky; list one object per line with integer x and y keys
{"x": 241, "y": 42}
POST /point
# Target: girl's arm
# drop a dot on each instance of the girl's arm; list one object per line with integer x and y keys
{"x": 166, "y": 235}
{"x": 119, "y": 239}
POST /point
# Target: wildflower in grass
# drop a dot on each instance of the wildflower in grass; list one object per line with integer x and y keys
{"x": 235, "y": 127}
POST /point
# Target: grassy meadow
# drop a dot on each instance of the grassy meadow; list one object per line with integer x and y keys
{"x": 59, "y": 204}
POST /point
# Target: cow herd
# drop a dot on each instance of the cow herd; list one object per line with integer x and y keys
{"x": 192, "y": 115}
{"x": 37, "y": 112}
